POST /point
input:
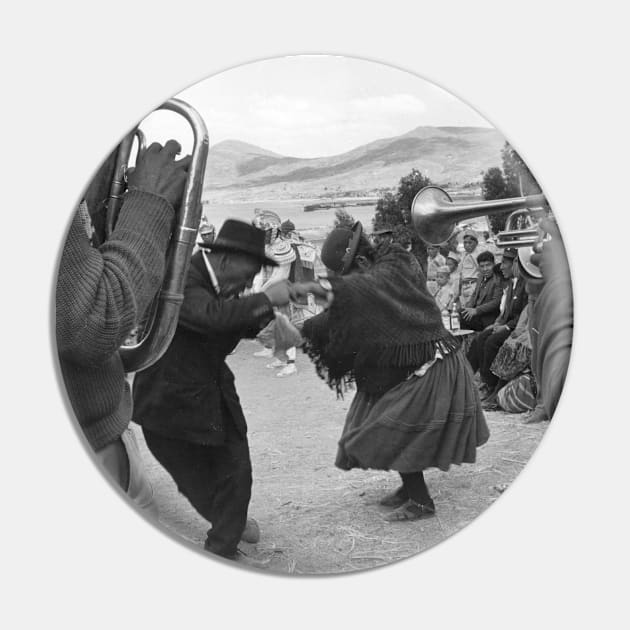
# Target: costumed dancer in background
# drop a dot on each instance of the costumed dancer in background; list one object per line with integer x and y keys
{"x": 297, "y": 261}
{"x": 281, "y": 251}
{"x": 269, "y": 222}
{"x": 416, "y": 405}
{"x": 306, "y": 267}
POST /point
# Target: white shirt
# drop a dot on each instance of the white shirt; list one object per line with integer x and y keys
{"x": 213, "y": 276}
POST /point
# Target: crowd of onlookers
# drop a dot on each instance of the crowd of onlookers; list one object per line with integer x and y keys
{"x": 470, "y": 277}
{"x": 484, "y": 285}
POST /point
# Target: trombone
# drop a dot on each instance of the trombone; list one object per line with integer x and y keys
{"x": 434, "y": 216}
{"x": 163, "y": 314}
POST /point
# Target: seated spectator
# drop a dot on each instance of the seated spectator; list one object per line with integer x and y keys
{"x": 444, "y": 295}
{"x": 483, "y": 306}
{"x": 468, "y": 266}
{"x": 434, "y": 261}
{"x": 452, "y": 262}
{"x": 512, "y": 362}
{"x": 486, "y": 344}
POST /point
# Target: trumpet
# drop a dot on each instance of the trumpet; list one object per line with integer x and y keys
{"x": 163, "y": 315}
{"x": 434, "y": 216}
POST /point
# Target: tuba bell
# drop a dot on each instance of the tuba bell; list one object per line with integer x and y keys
{"x": 434, "y": 216}
{"x": 161, "y": 322}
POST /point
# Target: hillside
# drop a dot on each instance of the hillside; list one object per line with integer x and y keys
{"x": 448, "y": 155}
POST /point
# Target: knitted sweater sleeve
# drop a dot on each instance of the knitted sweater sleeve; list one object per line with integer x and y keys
{"x": 101, "y": 292}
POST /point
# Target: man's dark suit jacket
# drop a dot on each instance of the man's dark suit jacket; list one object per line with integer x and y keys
{"x": 189, "y": 394}
{"x": 486, "y": 299}
{"x": 515, "y": 302}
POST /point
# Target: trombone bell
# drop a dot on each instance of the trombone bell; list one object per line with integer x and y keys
{"x": 434, "y": 215}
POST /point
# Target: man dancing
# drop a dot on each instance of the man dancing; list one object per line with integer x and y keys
{"x": 187, "y": 402}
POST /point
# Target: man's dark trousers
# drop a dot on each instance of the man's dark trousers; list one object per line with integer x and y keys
{"x": 216, "y": 479}
{"x": 482, "y": 351}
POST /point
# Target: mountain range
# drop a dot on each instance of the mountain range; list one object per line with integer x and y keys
{"x": 450, "y": 156}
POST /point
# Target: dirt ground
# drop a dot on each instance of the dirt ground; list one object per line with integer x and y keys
{"x": 317, "y": 519}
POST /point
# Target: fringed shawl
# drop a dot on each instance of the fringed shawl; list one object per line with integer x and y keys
{"x": 380, "y": 319}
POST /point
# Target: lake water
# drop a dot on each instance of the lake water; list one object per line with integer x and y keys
{"x": 311, "y": 225}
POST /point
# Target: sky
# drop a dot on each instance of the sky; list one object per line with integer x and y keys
{"x": 312, "y": 106}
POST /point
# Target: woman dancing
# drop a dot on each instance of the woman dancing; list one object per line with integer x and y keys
{"x": 416, "y": 405}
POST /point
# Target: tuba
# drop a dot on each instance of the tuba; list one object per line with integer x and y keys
{"x": 434, "y": 216}
{"x": 160, "y": 325}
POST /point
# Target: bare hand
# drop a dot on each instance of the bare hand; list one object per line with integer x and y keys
{"x": 468, "y": 313}
{"x": 159, "y": 173}
{"x": 278, "y": 293}
{"x": 300, "y": 290}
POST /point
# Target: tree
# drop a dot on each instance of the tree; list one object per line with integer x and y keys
{"x": 518, "y": 178}
{"x": 493, "y": 185}
{"x": 343, "y": 218}
{"x": 514, "y": 180}
{"x": 394, "y": 211}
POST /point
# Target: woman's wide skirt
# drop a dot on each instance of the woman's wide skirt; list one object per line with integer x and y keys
{"x": 433, "y": 420}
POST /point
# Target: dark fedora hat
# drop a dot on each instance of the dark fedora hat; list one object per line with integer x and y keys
{"x": 340, "y": 247}
{"x": 243, "y": 238}
{"x": 383, "y": 232}
{"x": 510, "y": 253}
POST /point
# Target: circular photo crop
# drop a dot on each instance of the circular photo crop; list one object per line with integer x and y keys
{"x": 313, "y": 315}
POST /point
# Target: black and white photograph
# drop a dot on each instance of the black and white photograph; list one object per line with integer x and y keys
{"x": 314, "y": 315}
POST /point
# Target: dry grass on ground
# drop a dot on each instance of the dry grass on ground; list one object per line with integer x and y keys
{"x": 316, "y": 519}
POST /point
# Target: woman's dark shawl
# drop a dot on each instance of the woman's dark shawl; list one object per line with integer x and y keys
{"x": 382, "y": 318}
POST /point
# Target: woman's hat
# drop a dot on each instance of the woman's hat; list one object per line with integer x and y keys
{"x": 453, "y": 256}
{"x": 471, "y": 234}
{"x": 287, "y": 226}
{"x": 510, "y": 253}
{"x": 266, "y": 219}
{"x": 444, "y": 269}
{"x": 243, "y": 238}
{"x": 281, "y": 251}
{"x": 383, "y": 231}
{"x": 340, "y": 247}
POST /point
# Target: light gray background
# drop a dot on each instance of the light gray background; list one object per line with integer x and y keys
{"x": 551, "y": 79}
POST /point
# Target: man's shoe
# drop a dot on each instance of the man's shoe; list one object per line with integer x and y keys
{"x": 208, "y": 547}
{"x": 265, "y": 353}
{"x": 395, "y": 499}
{"x": 251, "y": 533}
{"x": 287, "y": 370}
